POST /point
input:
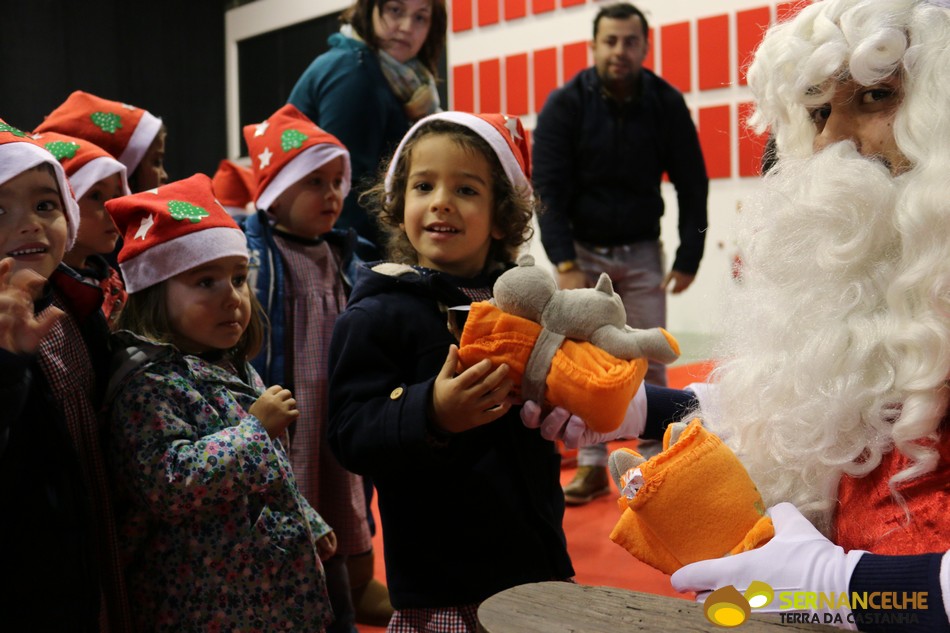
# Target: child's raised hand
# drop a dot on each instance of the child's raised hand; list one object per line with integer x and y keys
{"x": 276, "y": 409}
{"x": 20, "y": 330}
{"x": 477, "y": 396}
{"x": 326, "y": 546}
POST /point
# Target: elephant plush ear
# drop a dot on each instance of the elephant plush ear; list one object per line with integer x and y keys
{"x": 527, "y": 259}
{"x": 620, "y": 463}
{"x": 604, "y": 285}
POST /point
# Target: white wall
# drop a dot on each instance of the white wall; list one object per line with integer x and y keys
{"x": 690, "y": 313}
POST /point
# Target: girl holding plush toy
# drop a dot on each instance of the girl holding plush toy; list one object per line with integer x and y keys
{"x": 469, "y": 498}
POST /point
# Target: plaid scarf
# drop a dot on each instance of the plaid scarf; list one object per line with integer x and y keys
{"x": 412, "y": 83}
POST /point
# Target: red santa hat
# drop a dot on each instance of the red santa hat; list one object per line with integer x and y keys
{"x": 171, "y": 229}
{"x": 126, "y": 132}
{"x": 85, "y": 163}
{"x": 503, "y": 133}
{"x": 19, "y": 153}
{"x": 285, "y": 148}
{"x": 234, "y": 187}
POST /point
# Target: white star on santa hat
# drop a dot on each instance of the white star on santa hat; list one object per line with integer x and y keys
{"x": 264, "y": 157}
{"x": 147, "y": 223}
{"x": 512, "y": 124}
{"x": 261, "y": 128}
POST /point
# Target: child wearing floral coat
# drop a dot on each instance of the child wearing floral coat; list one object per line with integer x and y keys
{"x": 218, "y": 535}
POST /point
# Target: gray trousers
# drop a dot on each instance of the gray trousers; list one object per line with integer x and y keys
{"x": 636, "y": 271}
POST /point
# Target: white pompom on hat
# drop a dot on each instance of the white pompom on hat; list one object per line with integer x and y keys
{"x": 19, "y": 153}
{"x": 172, "y": 229}
{"x": 502, "y": 132}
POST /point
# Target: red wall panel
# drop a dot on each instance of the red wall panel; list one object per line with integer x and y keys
{"x": 714, "y": 136}
{"x": 489, "y": 85}
{"x": 516, "y": 84}
{"x": 574, "y": 59}
{"x": 487, "y": 12}
{"x": 545, "y": 75}
{"x": 650, "y": 60}
{"x": 461, "y": 15}
{"x": 463, "y": 88}
{"x": 542, "y": 6}
{"x": 515, "y": 9}
{"x": 751, "y": 144}
{"x": 675, "y": 55}
{"x": 571, "y": 3}
{"x": 750, "y": 26}
{"x": 713, "y": 35}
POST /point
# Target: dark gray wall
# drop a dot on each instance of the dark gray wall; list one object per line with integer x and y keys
{"x": 270, "y": 64}
{"x": 166, "y": 56}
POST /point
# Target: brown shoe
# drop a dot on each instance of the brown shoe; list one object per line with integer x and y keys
{"x": 370, "y": 597}
{"x": 589, "y": 483}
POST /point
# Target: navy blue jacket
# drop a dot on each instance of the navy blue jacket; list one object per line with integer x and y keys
{"x": 47, "y": 539}
{"x": 466, "y": 515}
{"x": 267, "y": 281}
{"x": 598, "y": 165}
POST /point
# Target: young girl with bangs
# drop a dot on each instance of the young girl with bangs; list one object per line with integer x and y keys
{"x": 217, "y": 535}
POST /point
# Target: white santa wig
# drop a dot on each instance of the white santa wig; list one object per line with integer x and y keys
{"x": 837, "y": 342}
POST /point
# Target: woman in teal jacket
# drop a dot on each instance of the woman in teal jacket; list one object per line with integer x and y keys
{"x": 376, "y": 80}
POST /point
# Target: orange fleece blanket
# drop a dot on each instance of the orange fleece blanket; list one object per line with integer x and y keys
{"x": 584, "y": 379}
{"x": 696, "y": 502}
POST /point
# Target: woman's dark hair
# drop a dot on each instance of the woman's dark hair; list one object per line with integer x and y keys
{"x": 146, "y": 314}
{"x": 360, "y": 17}
{"x": 511, "y": 214}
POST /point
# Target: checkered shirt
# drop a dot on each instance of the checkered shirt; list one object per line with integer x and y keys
{"x": 314, "y": 297}
{"x": 66, "y": 364}
{"x": 461, "y": 619}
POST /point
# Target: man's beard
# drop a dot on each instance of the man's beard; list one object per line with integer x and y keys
{"x": 807, "y": 383}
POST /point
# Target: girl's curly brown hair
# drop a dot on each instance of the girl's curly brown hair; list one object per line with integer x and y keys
{"x": 512, "y": 211}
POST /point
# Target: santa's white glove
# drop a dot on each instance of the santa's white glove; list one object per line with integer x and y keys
{"x": 797, "y": 559}
{"x": 560, "y": 424}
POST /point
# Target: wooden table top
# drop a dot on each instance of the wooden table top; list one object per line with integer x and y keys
{"x": 563, "y": 607}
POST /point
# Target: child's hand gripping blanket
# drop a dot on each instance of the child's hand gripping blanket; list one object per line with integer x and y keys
{"x": 567, "y": 348}
{"x": 693, "y": 501}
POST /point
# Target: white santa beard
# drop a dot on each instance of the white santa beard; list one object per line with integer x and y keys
{"x": 808, "y": 380}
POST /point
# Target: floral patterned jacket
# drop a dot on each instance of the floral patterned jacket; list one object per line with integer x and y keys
{"x": 217, "y": 535}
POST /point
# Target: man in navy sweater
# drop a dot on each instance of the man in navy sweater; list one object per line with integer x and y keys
{"x": 601, "y": 146}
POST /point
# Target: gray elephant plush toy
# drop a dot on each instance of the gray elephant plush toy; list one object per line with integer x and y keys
{"x": 594, "y": 315}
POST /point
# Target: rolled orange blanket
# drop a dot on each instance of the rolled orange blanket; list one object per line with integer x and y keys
{"x": 584, "y": 379}
{"x": 696, "y": 502}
